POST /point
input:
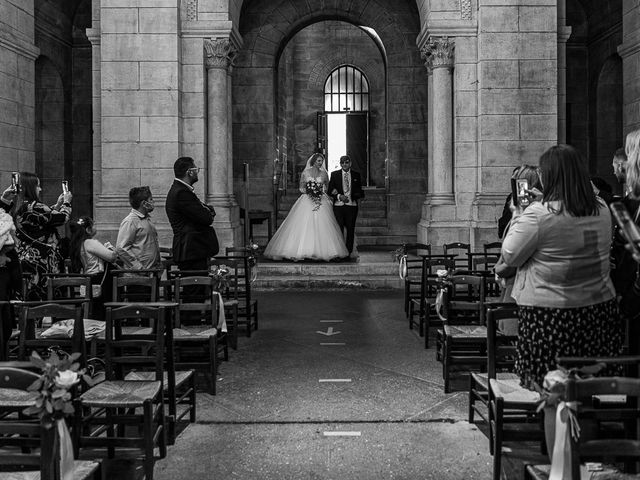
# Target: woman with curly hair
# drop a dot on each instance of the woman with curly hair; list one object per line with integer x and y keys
{"x": 37, "y": 229}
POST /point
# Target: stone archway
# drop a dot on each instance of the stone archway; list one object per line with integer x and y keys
{"x": 266, "y": 27}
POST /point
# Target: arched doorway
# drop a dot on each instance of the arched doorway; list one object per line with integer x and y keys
{"x": 278, "y": 89}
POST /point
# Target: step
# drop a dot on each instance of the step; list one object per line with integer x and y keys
{"x": 373, "y": 270}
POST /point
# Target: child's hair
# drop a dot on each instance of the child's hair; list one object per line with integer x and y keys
{"x": 78, "y": 236}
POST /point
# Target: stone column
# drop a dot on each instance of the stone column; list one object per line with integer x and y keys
{"x": 93, "y": 34}
{"x": 219, "y": 53}
{"x": 439, "y": 50}
{"x": 629, "y": 51}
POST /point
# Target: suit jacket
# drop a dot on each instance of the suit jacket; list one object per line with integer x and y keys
{"x": 335, "y": 183}
{"x": 193, "y": 236}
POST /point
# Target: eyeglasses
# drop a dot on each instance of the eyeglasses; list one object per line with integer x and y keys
{"x": 194, "y": 169}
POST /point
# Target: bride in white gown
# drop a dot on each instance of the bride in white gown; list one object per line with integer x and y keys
{"x": 310, "y": 230}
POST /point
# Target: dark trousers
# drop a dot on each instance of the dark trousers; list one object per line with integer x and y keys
{"x": 346, "y": 217}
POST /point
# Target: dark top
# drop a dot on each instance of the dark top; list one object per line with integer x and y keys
{"x": 193, "y": 236}
{"x": 335, "y": 183}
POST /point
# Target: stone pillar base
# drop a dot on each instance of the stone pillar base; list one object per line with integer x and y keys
{"x": 227, "y": 227}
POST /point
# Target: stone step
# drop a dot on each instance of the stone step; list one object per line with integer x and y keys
{"x": 390, "y": 240}
{"x": 373, "y": 270}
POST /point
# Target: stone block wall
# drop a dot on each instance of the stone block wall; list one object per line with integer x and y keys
{"x": 17, "y": 88}
{"x": 630, "y": 53}
{"x": 140, "y": 116}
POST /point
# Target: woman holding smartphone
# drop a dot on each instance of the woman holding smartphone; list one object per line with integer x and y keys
{"x": 560, "y": 247}
{"x": 37, "y": 228}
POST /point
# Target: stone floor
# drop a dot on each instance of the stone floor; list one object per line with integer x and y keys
{"x": 280, "y": 412}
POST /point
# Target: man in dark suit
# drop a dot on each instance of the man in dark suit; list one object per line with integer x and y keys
{"x": 345, "y": 187}
{"x": 194, "y": 239}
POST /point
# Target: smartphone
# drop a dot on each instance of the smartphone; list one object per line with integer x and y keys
{"x": 627, "y": 225}
{"x": 15, "y": 181}
{"x": 65, "y": 186}
{"x": 519, "y": 187}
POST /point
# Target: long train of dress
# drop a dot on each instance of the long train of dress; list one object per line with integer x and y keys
{"x": 308, "y": 234}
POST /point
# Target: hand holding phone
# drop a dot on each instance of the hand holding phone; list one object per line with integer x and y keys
{"x": 520, "y": 192}
{"x": 15, "y": 181}
{"x": 65, "y": 186}
{"x": 628, "y": 227}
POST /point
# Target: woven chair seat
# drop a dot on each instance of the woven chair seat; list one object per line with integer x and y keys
{"x": 470, "y": 331}
{"x": 483, "y": 378}
{"x": 13, "y": 398}
{"x": 181, "y": 334}
{"x": 81, "y": 469}
{"x": 121, "y": 393}
{"x": 181, "y": 377}
{"x": 512, "y": 392}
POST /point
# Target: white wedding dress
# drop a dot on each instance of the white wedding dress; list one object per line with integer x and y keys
{"x": 308, "y": 234}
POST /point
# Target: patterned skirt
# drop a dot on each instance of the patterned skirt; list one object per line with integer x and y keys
{"x": 547, "y": 333}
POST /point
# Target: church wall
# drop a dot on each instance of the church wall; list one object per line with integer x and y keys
{"x": 517, "y": 100}
{"x": 630, "y": 53}
{"x": 140, "y": 105}
{"x": 17, "y": 88}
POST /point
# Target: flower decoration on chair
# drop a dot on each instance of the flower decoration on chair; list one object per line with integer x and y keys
{"x": 252, "y": 260}
{"x": 400, "y": 257}
{"x": 444, "y": 283}
{"x": 59, "y": 375}
{"x": 220, "y": 274}
{"x": 315, "y": 191}
{"x": 553, "y": 394}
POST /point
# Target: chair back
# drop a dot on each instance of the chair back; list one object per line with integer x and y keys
{"x": 619, "y": 444}
{"x": 127, "y": 349}
{"x": 30, "y": 325}
{"x": 501, "y": 340}
{"x": 465, "y": 300}
{"x": 136, "y": 285}
{"x": 206, "y": 304}
{"x": 23, "y": 434}
{"x": 484, "y": 263}
{"x": 235, "y": 251}
{"x": 461, "y": 249}
{"x": 429, "y": 277}
{"x": 70, "y": 287}
{"x": 417, "y": 249}
{"x": 492, "y": 248}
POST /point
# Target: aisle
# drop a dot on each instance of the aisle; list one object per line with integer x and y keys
{"x": 332, "y": 386}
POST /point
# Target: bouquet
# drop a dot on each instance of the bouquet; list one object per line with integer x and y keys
{"x": 220, "y": 275}
{"x": 315, "y": 191}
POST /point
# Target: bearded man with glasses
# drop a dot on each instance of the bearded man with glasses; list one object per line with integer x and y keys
{"x": 194, "y": 239}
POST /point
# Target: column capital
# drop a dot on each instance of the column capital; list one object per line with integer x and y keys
{"x": 440, "y": 50}
{"x": 219, "y": 53}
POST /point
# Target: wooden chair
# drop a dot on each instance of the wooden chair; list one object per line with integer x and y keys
{"x": 412, "y": 282}
{"x": 501, "y": 354}
{"x": 71, "y": 287}
{"x": 31, "y": 329}
{"x": 117, "y": 402}
{"x": 247, "y": 305}
{"x": 24, "y": 444}
{"x": 199, "y": 349}
{"x": 230, "y": 293}
{"x": 136, "y": 285}
{"x": 462, "y": 260}
{"x": 620, "y": 446}
{"x": 464, "y": 334}
{"x": 492, "y": 248}
{"x": 512, "y": 409}
{"x": 421, "y": 305}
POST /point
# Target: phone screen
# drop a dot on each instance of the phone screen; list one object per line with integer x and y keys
{"x": 15, "y": 181}
{"x": 627, "y": 225}
{"x": 523, "y": 196}
{"x": 65, "y": 186}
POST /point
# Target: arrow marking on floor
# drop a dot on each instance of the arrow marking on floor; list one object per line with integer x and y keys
{"x": 333, "y": 344}
{"x": 342, "y": 434}
{"x": 329, "y": 332}
{"x": 334, "y": 380}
